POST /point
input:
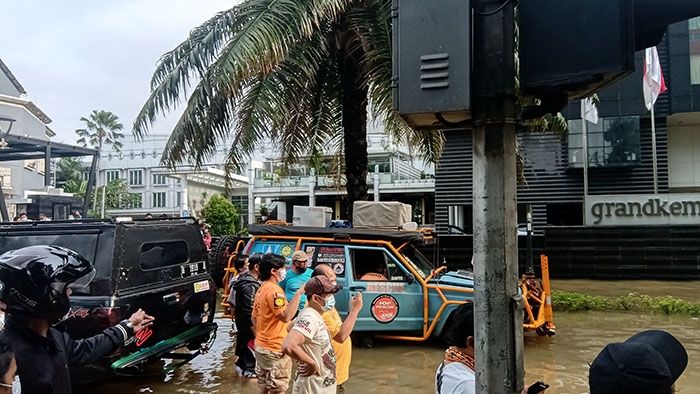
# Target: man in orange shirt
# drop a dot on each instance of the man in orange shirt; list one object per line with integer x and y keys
{"x": 340, "y": 330}
{"x": 271, "y": 313}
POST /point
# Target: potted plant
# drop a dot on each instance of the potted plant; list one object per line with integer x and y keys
{"x": 263, "y": 212}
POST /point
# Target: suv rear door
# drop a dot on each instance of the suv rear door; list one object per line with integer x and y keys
{"x": 163, "y": 270}
{"x": 394, "y": 304}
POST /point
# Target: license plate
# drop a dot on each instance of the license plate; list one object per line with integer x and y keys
{"x": 201, "y": 286}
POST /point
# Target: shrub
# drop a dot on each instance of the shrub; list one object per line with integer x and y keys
{"x": 221, "y": 215}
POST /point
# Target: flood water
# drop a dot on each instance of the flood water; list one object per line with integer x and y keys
{"x": 396, "y": 367}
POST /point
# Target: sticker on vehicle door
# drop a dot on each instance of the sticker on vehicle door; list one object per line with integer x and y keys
{"x": 384, "y": 308}
{"x": 201, "y": 286}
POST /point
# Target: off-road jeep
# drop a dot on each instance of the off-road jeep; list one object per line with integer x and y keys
{"x": 157, "y": 265}
{"x": 406, "y": 296}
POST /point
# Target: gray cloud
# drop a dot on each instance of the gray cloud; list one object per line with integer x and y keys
{"x": 73, "y": 56}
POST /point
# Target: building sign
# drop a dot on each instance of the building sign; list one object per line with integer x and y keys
{"x": 642, "y": 209}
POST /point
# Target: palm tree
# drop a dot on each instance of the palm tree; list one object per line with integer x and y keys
{"x": 102, "y": 127}
{"x": 68, "y": 169}
{"x": 303, "y": 74}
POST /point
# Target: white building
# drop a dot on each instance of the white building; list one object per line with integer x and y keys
{"x": 161, "y": 190}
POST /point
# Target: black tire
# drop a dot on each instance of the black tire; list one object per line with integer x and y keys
{"x": 219, "y": 255}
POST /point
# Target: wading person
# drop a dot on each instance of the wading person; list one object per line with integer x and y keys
{"x": 457, "y": 372}
{"x": 240, "y": 265}
{"x": 649, "y": 362}
{"x": 309, "y": 341}
{"x": 340, "y": 330}
{"x": 297, "y": 274}
{"x": 36, "y": 283}
{"x": 271, "y": 313}
{"x": 245, "y": 289}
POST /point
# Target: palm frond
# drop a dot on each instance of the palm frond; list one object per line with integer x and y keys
{"x": 266, "y": 30}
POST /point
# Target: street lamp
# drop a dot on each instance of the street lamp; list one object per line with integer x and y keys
{"x": 7, "y": 122}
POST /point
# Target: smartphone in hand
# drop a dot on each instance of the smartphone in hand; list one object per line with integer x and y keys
{"x": 537, "y": 387}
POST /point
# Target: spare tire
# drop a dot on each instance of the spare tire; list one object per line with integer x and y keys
{"x": 221, "y": 250}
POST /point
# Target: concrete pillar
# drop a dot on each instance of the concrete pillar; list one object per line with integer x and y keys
{"x": 47, "y": 165}
{"x": 498, "y": 310}
{"x": 376, "y": 183}
{"x": 312, "y": 188}
{"x": 423, "y": 214}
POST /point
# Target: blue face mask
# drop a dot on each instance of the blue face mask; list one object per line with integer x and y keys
{"x": 330, "y": 303}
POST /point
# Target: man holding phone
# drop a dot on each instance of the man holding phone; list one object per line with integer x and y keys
{"x": 340, "y": 330}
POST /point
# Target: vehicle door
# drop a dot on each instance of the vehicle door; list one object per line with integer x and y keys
{"x": 334, "y": 255}
{"x": 163, "y": 270}
{"x": 393, "y": 299}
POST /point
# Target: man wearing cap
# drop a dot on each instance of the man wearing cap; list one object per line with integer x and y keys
{"x": 649, "y": 362}
{"x": 309, "y": 341}
{"x": 297, "y": 274}
{"x": 340, "y": 330}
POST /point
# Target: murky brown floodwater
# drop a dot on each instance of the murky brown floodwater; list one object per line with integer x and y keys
{"x": 394, "y": 367}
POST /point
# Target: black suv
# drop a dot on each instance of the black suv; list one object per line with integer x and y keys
{"x": 157, "y": 265}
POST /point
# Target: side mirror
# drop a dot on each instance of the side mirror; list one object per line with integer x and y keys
{"x": 410, "y": 279}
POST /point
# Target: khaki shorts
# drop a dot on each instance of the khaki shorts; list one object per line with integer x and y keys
{"x": 274, "y": 369}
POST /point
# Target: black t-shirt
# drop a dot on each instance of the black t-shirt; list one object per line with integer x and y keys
{"x": 42, "y": 363}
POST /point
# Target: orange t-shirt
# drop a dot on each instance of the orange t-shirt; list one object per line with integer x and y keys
{"x": 269, "y": 304}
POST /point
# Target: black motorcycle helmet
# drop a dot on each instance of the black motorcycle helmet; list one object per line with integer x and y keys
{"x": 34, "y": 280}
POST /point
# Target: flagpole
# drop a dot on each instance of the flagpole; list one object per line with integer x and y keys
{"x": 653, "y": 151}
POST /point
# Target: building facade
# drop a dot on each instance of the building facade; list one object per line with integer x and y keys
{"x": 160, "y": 190}
{"x": 597, "y": 234}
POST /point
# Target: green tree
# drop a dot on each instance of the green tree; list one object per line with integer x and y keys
{"x": 221, "y": 215}
{"x": 76, "y": 186}
{"x": 305, "y": 74}
{"x": 101, "y": 131}
{"x": 117, "y": 195}
{"x": 68, "y": 169}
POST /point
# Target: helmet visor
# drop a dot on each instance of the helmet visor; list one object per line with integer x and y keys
{"x": 77, "y": 284}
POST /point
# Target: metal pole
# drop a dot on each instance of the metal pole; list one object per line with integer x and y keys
{"x": 376, "y": 183}
{"x": 102, "y": 205}
{"x": 497, "y": 304}
{"x": 91, "y": 186}
{"x": 584, "y": 131}
{"x": 251, "y": 196}
{"x": 312, "y": 188}
{"x": 530, "y": 262}
{"x": 653, "y": 151}
{"x": 47, "y": 165}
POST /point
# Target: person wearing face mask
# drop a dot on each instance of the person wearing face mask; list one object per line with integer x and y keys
{"x": 297, "y": 274}
{"x": 35, "y": 285}
{"x": 271, "y": 313}
{"x": 9, "y": 380}
{"x": 309, "y": 341}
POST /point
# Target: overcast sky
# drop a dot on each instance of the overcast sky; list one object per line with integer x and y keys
{"x": 73, "y": 56}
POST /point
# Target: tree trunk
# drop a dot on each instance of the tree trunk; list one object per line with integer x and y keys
{"x": 354, "y": 96}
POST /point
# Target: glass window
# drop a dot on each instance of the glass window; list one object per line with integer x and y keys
{"x": 136, "y": 200}
{"x": 159, "y": 179}
{"x": 613, "y": 142}
{"x": 135, "y": 177}
{"x": 163, "y": 254}
{"x": 112, "y": 175}
{"x": 331, "y": 255}
{"x": 694, "y": 35}
{"x": 376, "y": 265}
{"x": 159, "y": 200}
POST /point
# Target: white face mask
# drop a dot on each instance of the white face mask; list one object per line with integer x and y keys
{"x": 282, "y": 273}
{"x": 15, "y": 386}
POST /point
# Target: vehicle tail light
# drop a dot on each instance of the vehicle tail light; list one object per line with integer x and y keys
{"x": 107, "y": 317}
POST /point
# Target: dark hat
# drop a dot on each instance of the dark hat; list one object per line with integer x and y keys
{"x": 321, "y": 284}
{"x": 649, "y": 362}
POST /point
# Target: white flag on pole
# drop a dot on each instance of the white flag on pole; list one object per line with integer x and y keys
{"x": 589, "y": 111}
{"x": 653, "y": 81}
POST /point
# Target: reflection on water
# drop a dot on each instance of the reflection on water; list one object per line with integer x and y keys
{"x": 392, "y": 367}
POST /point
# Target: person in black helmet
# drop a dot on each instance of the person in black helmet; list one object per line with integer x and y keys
{"x": 35, "y": 283}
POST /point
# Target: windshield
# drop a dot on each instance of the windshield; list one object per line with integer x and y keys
{"x": 419, "y": 262}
